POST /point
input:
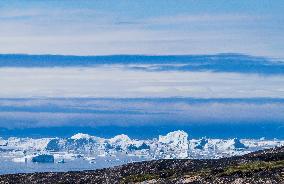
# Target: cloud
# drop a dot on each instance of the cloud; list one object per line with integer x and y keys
{"x": 229, "y": 62}
{"x": 16, "y": 113}
{"x": 201, "y": 18}
{"x": 113, "y": 81}
{"x": 91, "y": 31}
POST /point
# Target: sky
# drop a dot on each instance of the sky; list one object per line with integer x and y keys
{"x": 176, "y": 92}
{"x": 245, "y": 86}
{"x": 116, "y": 82}
{"x": 142, "y": 27}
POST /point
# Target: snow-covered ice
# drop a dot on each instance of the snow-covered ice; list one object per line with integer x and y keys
{"x": 122, "y": 149}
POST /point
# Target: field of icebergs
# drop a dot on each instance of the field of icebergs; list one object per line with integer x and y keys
{"x": 83, "y": 151}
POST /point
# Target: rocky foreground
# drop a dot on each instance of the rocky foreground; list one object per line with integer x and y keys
{"x": 259, "y": 167}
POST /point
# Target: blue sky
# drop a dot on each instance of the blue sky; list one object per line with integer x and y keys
{"x": 142, "y": 27}
{"x": 94, "y": 112}
{"x": 58, "y": 91}
{"x": 203, "y": 76}
{"x": 143, "y": 117}
{"x": 131, "y": 91}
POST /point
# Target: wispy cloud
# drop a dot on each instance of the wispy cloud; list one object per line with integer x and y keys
{"x": 229, "y": 62}
{"x": 136, "y": 112}
{"x": 93, "y": 31}
{"x": 119, "y": 82}
{"x": 186, "y": 19}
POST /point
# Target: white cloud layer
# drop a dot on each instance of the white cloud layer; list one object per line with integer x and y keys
{"x": 86, "y": 31}
{"x": 116, "y": 81}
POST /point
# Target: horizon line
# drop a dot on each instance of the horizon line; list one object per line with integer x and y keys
{"x": 147, "y": 55}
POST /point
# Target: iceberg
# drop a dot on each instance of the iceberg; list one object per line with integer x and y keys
{"x": 44, "y": 158}
{"x": 81, "y": 136}
{"x": 172, "y": 145}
